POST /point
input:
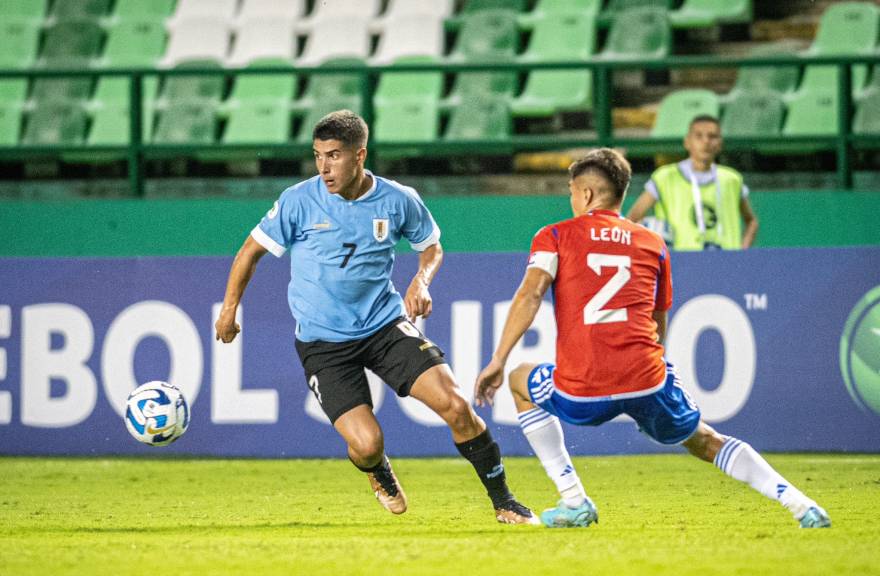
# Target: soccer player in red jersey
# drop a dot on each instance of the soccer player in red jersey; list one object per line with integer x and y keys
{"x": 612, "y": 288}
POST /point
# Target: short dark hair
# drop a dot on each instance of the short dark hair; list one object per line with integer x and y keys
{"x": 704, "y": 118}
{"x": 608, "y": 163}
{"x": 342, "y": 125}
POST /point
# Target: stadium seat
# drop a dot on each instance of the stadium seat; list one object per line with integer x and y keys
{"x": 486, "y": 36}
{"x": 706, "y": 13}
{"x": 18, "y": 44}
{"x": 427, "y": 8}
{"x": 334, "y": 38}
{"x": 67, "y": 45}
{"x": 133, "y": 43}
{"x": 409, "y": 35}
{"x": 10, "y": 122}
{"x": 111, "y": 123}
{"x": 615, "y": 7}
{"x": 476, "y": 5}
{"x": 32, "y": 11}
{"x": 186, "y": 123}
{"x": 55, "y": 124}
{"x": 812, "y": 113}
{"x": 846, "y": 28}
{"x": 143, "y": 10}
{"x": 781, "y": 79}
{"x": 407, "y": 105}
{"x": 78, "y": 10}
{"x": 479, "y": 120}
{"x": 564, "y": 36}
{"x": 867, "y": 116}
{"x": 362, "y": 11}
{"x": 678, "y": 108}
{"x": 753, "y": 113}
{"x": 555, "y": 7}
{"x": 323, "y": 107}
{"x": 202, "y": 9}
{"x": 639, "y": 33}
{"x": 197, "y": 39}
{"x": 289, "y": 11}
{"x": 264, "y": 39}
{"x": 258, "y": 108}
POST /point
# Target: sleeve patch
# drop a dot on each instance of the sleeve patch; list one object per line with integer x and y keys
{"x": 546, "y": 261}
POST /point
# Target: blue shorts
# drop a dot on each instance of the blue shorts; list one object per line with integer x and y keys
{"x": 668, "y": 415}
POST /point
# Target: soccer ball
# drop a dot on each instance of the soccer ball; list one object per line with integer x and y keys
{"x": 156, "y": 413}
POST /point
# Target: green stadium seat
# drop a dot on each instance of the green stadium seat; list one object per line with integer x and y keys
{"x": 77, "y": 10}
{"x": 322, "y": 108}
{"x": 707, "y": 13}
{"x": 846, "y": 28}
{"x": 67, "y": 45}
{"x": 867, "y": 117}
{"x": 407, "y": 104}
{"x": 55, "y": 124}
{"x": 616, "y": 7}
{"x": 486, "y": 36}
{"x": 186, "y": 123}
{"x": 564, "y": 36}
{"x": 143, "y": 10}
{"x": 19, "y": 40}
{"x": 812, "y": 113}
{"x": 134, "y": 44}
{"x": 678, "y": 108}
{"x": 195, "y": 87}
{"x": 10, "y": 123}
{"x": 33, "y": 11}
{"x": 477, "y": 5}
{"x": 258, "y": 108}
{"x": 753, "y": 114}
{"x": 479, "y": 120}
{"x": 111, "y": 125}
{"x": 639, "y": 33}
{"x": 782, "y": 79}
{"x": 547, "y": 7}
{"x": 332, "y": 86}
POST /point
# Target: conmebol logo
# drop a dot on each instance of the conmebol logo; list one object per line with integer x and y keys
{"x": 860, "y": 352}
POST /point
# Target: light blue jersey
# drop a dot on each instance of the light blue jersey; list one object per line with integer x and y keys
{"x": 342, "y": 252}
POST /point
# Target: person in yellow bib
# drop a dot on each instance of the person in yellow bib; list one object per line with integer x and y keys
{"x": 698, "y": 204}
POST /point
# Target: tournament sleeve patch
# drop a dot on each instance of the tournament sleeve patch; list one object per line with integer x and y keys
{"x": 266, "y": 242}
{"x": 546, "y": 261}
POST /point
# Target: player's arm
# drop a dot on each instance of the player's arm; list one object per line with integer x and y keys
{"x": 751, "y": 222}
{"x": 660, "y": 317}
{"x": 418, "y": 300}
{"x": 239, "y": 275}
{"x": 641, "y": 207}
{"x": 523, "y": 310}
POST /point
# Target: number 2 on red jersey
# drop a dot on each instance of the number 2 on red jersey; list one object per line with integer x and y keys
{"x": 594, "y": 313}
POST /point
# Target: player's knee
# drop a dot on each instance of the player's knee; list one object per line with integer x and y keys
{"x": 705, "y": 442}
{"x": 366, "y": 446}
{"x": 518, "y": 380}
{"x": 459, "y": 414}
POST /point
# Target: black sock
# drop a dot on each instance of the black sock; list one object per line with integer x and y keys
{"x": 383, "y": 474}
{"x": 485, "y": 456}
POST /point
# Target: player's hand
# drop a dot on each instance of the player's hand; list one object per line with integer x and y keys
{"x": 227, "y": 328}
{"x": 418, "y": 300}
{"x": 488, "y": 383}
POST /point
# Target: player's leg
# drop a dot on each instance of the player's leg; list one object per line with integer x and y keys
{"x": 336, "y": 378}
{"x": 413, "y": 366}
{"x": 739, "y": 460}
{"x": 670, "y": 417}
{"x": 544, "y": 432}
{"x": 366, "y": 450}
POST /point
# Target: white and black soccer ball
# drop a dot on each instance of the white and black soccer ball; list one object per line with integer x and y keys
{"x": 156, "y": 413}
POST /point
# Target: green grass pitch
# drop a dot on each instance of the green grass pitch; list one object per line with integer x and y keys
{"x": 668, "y": 514}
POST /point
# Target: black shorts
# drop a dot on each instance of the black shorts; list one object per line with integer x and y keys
{"x": 398, "y": 353}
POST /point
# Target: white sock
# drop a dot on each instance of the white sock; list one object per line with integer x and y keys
{"x": 544, "y": 433}
{"x": 739, "y": 460}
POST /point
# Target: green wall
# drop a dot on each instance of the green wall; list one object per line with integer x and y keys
{"x": 469, "y": 224}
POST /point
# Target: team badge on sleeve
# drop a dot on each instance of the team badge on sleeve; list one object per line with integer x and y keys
{"x": 380, "y": 229}
{"x": 273, "y": 211}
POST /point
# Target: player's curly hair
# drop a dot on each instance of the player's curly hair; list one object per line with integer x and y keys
{"x": 342, "y": 125}
{"x": 610, "y": 164}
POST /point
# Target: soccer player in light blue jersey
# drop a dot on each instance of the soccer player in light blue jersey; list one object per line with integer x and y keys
{"x": 341, "y": 227}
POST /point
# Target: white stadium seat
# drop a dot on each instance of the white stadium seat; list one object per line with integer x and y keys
{"x": 259, "y": 39}
{"x": 341, "y": 37}
{"x": 410, "y": 35}
{"x": 197, "y": 39}
{"x": 198, "y": 9}
{"x": 288, "y": 10}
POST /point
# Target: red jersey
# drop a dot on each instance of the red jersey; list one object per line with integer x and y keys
{"x": 609, "y": 276}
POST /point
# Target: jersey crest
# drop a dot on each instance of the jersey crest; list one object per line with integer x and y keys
{"x": 380, "y": 229}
